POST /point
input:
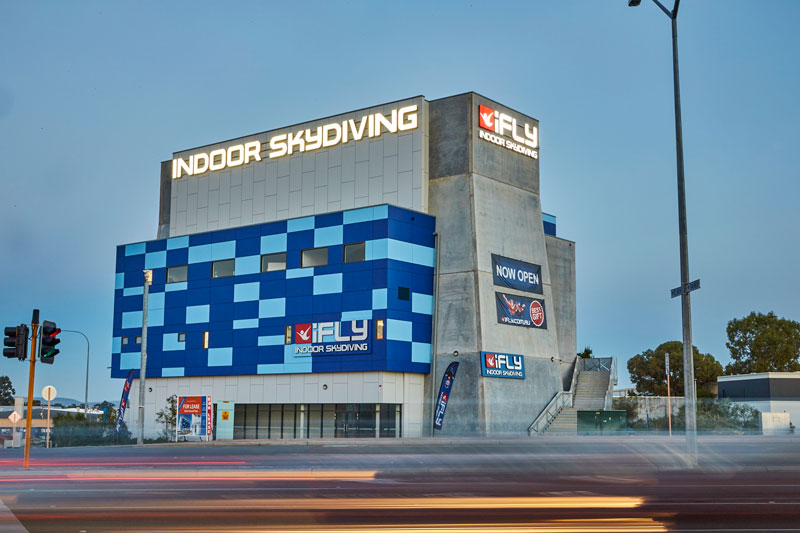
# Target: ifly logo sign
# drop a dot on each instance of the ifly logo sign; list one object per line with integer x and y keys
{"x": 330, "y": 338}
{"x": 502, "y": 365}
{"x": 503, "y": 130}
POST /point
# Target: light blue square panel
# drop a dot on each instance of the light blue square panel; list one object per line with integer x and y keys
{"x": 155, "y": 300}
{"x": 116, "y": 344}
{"x": 170, "y": 342}
{"x": 245, "y": 323}
{"x": 223, "y": 250}
{"x": 220, "y": 356}
{"x": 271, "y": 244}
{"x": 130, "y": 360}
{"x": 119, "y": 280}
{"x": 246, "y": 292}
{"x": 328, "y": 284}
{"x": 420, "y": 352}
{"x": 174, "y": 372}
{"x": 131, "y": 319}
{"x": 155, "y": 259}
{"x": 200, "y": 254}
{"x": 247, "y": 265}
{"x": 272, "y": 308}
{"x": 400, "y": 251}
{"x": 133, "y": 291}
{"x": 379, "y": 298}
{"x": 327, "y": 236}
{"x": 196, "y": 314}
{"x": 271, "y": 340}
{"x": 176, "y": 243}
{"x": 422, "y": 303}
{"x": 299, "y": 224}
{"x": 398, "y": 330}
{"x": 422, "y": 255}
{"x": 135, "y": 249}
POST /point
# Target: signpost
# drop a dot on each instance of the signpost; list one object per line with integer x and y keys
{"x": 669, "y": 401}
{"x": 49, "y": 394}
{"x": 14, "y": 417}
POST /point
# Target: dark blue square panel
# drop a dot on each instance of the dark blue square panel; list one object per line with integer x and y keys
{"x": 177, "y": 257}
{"x": 299, "y": 305}
{"x": 356, "y": 300}
{"x": 243, "y": 310}
{"x": 245, "y": 337}
{"x": 222, "y": 312}
{"x": 299, "y": 286}
{"x": 197, "y": 296}
{"x": 156, "y": 246}
{"x": 221, "y": 294}
{"x": 359, "y": 232}
{"x": 247, "y": 247}
{"x": 199, "y": 271}
{"x": 220, "y": 338}
{"x": 273, "y": 228}
{"x": 328, "y": 219}
{"x": 300, "y": 240}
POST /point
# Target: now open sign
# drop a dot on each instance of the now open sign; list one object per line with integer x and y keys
{"x": 516, "y": 274}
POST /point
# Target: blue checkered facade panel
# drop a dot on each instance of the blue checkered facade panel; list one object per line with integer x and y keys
{"x": 335, "y": 311}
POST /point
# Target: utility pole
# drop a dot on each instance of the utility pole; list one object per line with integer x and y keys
{"x": 29, "y": 412}
{"x": 148, "y": 278}
{"x": 669, "y": 401}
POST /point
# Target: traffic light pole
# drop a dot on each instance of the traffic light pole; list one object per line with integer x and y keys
{"x": 148, "y": 278}
{"x": 29, "y": 411}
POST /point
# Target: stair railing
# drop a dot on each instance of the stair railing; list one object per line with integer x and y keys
{"x": 560, "y": 400}
{"x": 612, "y": 381}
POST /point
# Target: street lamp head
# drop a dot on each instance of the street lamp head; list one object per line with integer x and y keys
{"x": 634, "y": 3}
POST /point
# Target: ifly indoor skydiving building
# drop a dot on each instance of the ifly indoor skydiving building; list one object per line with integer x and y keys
{"x": 317, "y": 280}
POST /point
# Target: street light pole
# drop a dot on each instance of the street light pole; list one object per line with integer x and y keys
{"x": 686, "y": 307}
{"x": 86, "y": 392}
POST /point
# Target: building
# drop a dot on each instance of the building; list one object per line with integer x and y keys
{"x": 321, "y": 277}
{"x": 769, "y": 392}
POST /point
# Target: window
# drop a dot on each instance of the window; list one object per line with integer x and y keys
{"x": 222, "y": 269}
{"x": 177, "y": 274}
{"x": 138, "y": 339}
{"x": 353, "y": 253}
{"x": 124, "y": 341}
{"x": 287, "y": 336}
{"x": 314, "y": 257}
{"x": 379, "y": 329}
{"x": 273, "y": 262}
{"x": 403, "y": 293}
{"x": 181, "y": 337}
{"x": 205, "y": 340}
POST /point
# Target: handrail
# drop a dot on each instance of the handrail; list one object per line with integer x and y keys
{"x": 557, "y": 403}
{"x": 612, "y": 381}
{"x": 549, "y": 413}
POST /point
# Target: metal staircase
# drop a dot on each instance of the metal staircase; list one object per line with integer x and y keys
{"x": 590, "y": 389}
{"x": 590, "y": 393}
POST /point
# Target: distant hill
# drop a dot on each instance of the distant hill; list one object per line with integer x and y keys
{"x": 63, "y": 400}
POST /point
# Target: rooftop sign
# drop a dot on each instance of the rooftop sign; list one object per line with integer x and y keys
{"x": 368, "y": 126}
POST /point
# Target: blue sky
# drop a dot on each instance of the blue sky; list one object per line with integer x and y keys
{"x": 94, "y": 95}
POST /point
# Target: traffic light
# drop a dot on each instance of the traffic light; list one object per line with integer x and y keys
{"x": 16, "y": 341}
{"x": 48, "y": 351}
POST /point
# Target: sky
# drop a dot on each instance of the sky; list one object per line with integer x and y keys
{"x": 93, "y": 96}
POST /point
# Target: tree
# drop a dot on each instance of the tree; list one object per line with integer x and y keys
{"x": 586, "y": 353}
{"x": 763, "y": 343}
{"x": 168, "y": 417}
{"x": 649, "y": 375}
{"x": 7, "y": 391}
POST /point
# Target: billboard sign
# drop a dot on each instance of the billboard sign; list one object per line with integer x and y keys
{"x": 516, "y": 274}
{"x": 194, "y": 421}
{"x": 503, "y": 130}
{"x": 350, "y": 337}
{"x": 502, "y": 365}
{"x": 518, "y": 310}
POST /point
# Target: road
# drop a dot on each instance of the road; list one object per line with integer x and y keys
{"x": 545, "y": 484}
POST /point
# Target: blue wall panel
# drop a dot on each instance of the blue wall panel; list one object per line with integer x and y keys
{"x": 246, "y": 315}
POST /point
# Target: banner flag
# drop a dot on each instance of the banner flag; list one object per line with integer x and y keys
{"x": 123, "y": 403}
{"x": 444, "y": 394}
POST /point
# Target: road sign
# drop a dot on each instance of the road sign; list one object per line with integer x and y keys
{"x": 691, "y": 286}
{"x": 666, "y": 362}
{"x": 49, "y": 393}
{"x": 14, "y": 417}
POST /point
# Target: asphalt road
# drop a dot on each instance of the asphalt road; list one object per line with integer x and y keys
{"x": 544, "y": 484}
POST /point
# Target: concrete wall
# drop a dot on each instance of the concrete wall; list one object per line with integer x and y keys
{"x": 389, "y": 169}
{"x": 350, "y": 387}
{"x": 561, "y": 264}
{"x": 485, "y": 200}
